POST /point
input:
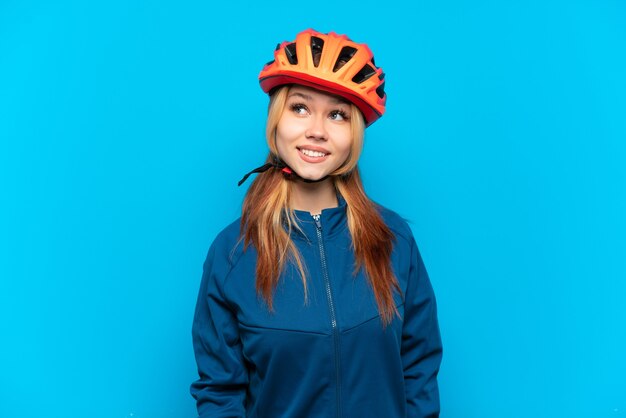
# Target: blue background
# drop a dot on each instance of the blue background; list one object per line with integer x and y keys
{"x": 125, "y": 126}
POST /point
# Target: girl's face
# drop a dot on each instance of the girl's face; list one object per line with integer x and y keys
{"x": 313, "y": 135}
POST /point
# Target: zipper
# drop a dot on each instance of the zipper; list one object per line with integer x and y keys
{"x": 331, "y": 308}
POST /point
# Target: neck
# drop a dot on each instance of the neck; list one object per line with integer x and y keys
{"x": 313, "y": 197}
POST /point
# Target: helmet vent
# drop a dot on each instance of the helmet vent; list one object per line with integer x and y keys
{"x": 366, "y": 72}
{"x": 317, "y": 44}
{"x": 290, "y": 51}
{"x": 346, "y": 53}
{"x": 380, "y": 91}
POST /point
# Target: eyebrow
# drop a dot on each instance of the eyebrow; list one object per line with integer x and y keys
{"x": 334, "y": 100}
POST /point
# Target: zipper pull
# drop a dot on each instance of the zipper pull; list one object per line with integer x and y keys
{"x": 318, "y": 223}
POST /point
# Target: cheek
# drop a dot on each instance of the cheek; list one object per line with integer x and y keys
{"x": 343, "y": 143}
{"x": 286, "y": 135}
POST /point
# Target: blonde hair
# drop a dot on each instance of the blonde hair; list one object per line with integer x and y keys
{"x": 267, "y": 209}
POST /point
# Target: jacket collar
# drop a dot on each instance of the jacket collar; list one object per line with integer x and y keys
{"x": 332, "y": 220}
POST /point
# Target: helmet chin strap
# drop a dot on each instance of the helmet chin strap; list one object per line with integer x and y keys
{"x": 287, "y": 171}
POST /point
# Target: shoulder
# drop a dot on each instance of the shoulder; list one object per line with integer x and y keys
{"x": 227, "y": 245}
{"x": 229, "y": 234}
{"x": 398, "y": 225}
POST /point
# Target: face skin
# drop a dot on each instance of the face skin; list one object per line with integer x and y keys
{"x": 314, "y": 123}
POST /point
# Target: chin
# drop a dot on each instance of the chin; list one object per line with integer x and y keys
{"x": 310, "y": 174}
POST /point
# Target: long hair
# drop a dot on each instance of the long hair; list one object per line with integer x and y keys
{"x": 266, "y": 211}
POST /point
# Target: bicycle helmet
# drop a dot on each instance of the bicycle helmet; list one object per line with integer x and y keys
{"x": 332, "y": 63}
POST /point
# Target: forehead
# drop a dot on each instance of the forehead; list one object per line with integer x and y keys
{"x": 310, "y": 93}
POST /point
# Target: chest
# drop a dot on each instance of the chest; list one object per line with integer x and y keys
{"x": 333, "y": 297}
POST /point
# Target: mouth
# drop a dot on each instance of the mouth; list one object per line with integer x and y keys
{"x": 312, "y": 155}
{"x": 313, "y": 152}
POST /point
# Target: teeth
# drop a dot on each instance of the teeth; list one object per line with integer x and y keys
{"x": 311, "y": 153}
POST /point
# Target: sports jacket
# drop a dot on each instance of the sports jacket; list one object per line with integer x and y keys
{"x": 328, "y": 357}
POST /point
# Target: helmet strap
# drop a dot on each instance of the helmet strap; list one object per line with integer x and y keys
{"x": 287, "y": 171}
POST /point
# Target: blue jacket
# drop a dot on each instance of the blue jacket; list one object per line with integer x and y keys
{"x": 329, "y": 357}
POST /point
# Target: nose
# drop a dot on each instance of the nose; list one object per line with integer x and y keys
{"x": 316, "y": 129}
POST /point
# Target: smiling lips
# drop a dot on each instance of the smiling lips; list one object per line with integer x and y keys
{"x": 312, "y": 154}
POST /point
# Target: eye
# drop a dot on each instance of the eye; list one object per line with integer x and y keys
{"x": 299, "y": 108}
{"x": 338, "y": 115}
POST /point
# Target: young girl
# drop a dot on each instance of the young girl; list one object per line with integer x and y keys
{"x": 316, "y": 302}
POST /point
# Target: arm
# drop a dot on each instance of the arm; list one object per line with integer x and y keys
{"x": 421, "y": 342}
{"x": 220, "y": 391}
